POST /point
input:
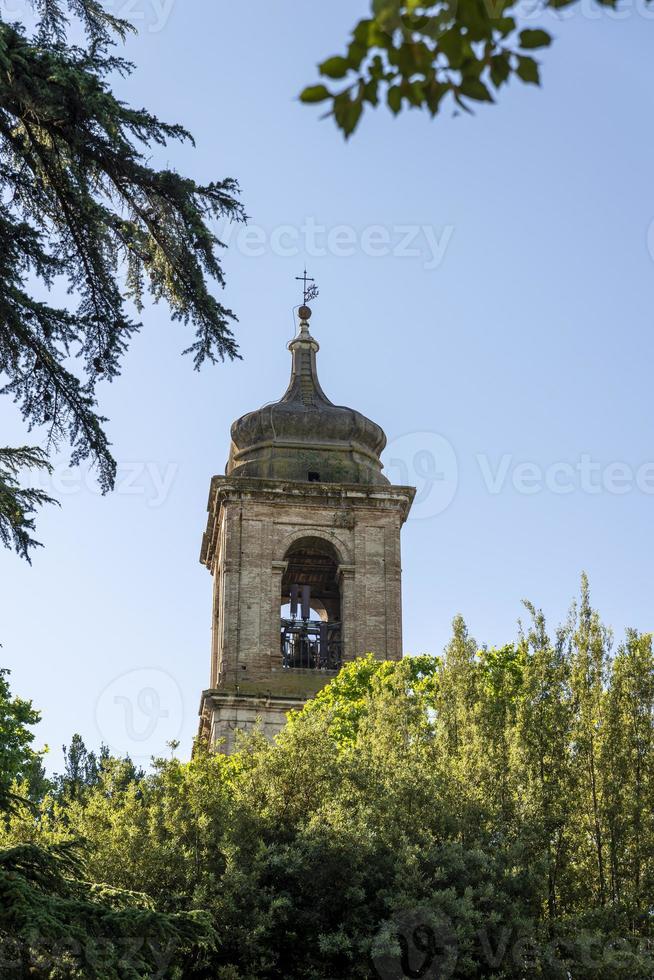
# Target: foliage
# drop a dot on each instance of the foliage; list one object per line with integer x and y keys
{"x": 54, "y": 922}
{"x": 83, "y": 210}
{"x": 417, "y": 53}
{"x": 487, "y": 813}
{"x": 16, "y": 755}
{"x": 344, "y": 702}
{"x": 18, "y": 504}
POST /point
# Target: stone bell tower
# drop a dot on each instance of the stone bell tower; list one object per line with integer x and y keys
{"x": 303, "y": 542}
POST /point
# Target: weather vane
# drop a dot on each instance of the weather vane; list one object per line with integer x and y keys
{"x": 310, "y": 291}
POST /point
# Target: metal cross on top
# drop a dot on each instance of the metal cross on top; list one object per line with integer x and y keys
{"x": 310, "y": 292}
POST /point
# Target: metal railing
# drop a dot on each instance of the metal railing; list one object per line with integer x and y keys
{"x": 311, "y": 645}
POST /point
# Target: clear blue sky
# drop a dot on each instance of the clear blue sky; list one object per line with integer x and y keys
{"x": 526, "y": 340}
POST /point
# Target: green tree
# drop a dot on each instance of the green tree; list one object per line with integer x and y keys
{"x": 83, "y": 207}
{"x": 423, "y": 817}
{"x": 81, "y": 770}
{"x": 345, "y": 702}
{"x": 16, "y": 753}
{"x": 626, "y": 765}
{"x": 411, "y": 54}
{"x": 458, "y": 684}
{"x": 590, "y": 644}
{"x": 540, "y": 753}
{"x": 54, "y": 922}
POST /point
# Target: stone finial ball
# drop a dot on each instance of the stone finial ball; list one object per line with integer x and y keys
{"x": 305, "y": 312}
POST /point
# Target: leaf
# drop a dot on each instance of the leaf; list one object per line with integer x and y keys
{"x": 474, "y": 88}
{"x": 535, "y": 39}
{"x": 315, "y": 93}
{"x": 356, "y": 53}
{"x": 433, "y": 95}
{"x": 394, "y": 99}
{"x": 527, "y": 70}
{"x": 475, "y": 19}
{"x": 336, "y": 67}
{"x": 505, "y": 25}
{"x": 361, "y": 32}
{"x": 347, "y": 112}
{"x": 500, "y": 69}
{"x": 415, "y": 93}
{"x": 451, "y": 45}
{"x": 371, "y": 92}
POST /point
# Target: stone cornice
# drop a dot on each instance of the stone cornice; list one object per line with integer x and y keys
{"x": 216, "y": 696}
{"x": 214, "y": 699}
{"x": 226, "y": 489}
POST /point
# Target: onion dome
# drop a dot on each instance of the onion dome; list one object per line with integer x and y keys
{"x": 305, "y": 437}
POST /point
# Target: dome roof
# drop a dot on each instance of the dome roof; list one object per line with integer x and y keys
{"x": 304, "y": 436}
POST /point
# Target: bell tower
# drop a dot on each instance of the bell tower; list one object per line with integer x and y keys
{"x": 303, "y": 543}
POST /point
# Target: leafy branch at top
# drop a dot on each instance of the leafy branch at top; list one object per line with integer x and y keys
{"x": 414, "y": 54}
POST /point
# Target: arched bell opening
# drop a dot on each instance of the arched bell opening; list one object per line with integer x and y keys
{"x": 316, "y": 614}
{"x": 311, "y": 627}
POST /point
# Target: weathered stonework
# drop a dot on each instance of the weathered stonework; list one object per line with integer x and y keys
{"x": 257, "y": 524}
{"x": 224, "y": 715}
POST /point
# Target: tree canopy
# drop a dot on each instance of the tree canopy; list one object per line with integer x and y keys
{"x": 84, "y": 211}
{"x": 16, "y": 738}
{"x": 485, "y": 813}
{"x": 54, "y": 921}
